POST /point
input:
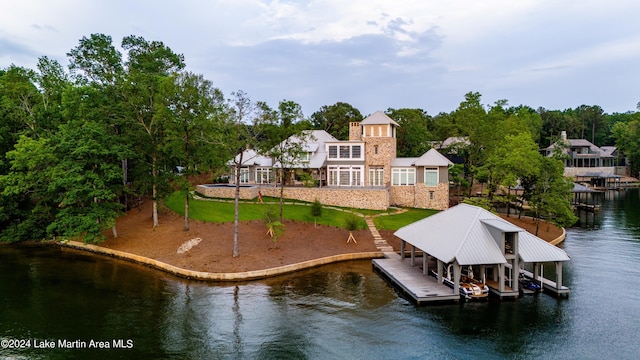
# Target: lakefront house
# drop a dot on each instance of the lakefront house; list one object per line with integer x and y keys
{"x": 362, "y": 172}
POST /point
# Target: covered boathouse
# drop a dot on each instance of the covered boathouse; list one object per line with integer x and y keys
{"x": 469, "y": 238}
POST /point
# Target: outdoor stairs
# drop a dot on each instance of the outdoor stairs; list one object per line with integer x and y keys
{"x": 381, "y": 244}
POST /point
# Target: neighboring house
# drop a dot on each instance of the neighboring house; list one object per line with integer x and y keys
{"x": 584, "y": 159}
{"x": 365, "y": 162}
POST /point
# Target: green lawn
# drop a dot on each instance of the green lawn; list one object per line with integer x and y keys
{"x": 218, "y": 211}
{"x": 395, "y": 222}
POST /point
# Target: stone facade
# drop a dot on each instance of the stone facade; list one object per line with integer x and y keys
{"x": 228, "y": 191}
{"x": 376, "y": 199}
{"x": 421, "y": 196}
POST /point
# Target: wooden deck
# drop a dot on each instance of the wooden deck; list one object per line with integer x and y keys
{"x": 419, "y": 288}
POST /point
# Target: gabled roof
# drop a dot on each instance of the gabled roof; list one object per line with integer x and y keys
{"x": 466, "y": 233}
{"x": 313, "y": 143}
{"x": 432, "y": 158}
{"x": 251, "y": 158}
{"x": 533, "y": 249}
{"x": 455, "y": 233}
{"x": 378, "y": 118}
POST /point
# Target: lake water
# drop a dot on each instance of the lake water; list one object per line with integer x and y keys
{"x": 53, "y": 298}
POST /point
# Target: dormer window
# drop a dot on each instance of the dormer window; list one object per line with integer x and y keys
{"x": 305, "y": 156}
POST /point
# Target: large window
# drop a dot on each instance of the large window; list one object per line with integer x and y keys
{"x": 263, "y": 175}
{"x": 403, "y": 176}
{"x": 431, "y": 176}
{"x": 347, "y": 151}
{"x": 345, "y": 175}
{"x": 244, "y": 175}
{"x": 376, "y": 176}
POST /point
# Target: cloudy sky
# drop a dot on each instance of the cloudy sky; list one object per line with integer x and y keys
{"x": 372, "y": 54}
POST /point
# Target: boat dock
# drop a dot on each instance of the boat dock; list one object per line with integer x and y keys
{"x": 419, "y": 288}
{"x": 547, "y": 285}
{"x": 494, "y": 288}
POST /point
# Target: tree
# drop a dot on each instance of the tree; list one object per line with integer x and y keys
{"x": 627, "y": 137}
{"x": 335, "y": 119}
{"x": 149, "y": 64}
{"x": 413, "y": 134}
{"x": 515, "y": 158}
{"x": 549, "y": 193}
{"x": 285, "y": 139}
{"x": 85, "y": 181}
{"x": 25, "y": 188}
{"x": 191, "y": 113}
{"x": 240, "y": 133}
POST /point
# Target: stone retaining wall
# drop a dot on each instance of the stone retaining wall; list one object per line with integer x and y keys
{"x": 376, "y": 199}
{"x": 239, "y": 276}
{"x": 228, "y": 192}
{"x": 418, "y": 196}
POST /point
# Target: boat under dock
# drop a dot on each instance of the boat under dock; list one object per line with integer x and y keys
{"x": 418, "y": 287}
{"x": 547, "y": 285}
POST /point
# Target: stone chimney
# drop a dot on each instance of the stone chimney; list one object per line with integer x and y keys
{"x": 563, "y": 135}
{"x": 355, "y": 131}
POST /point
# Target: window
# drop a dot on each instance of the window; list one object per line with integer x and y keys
{"x": 431, "y": 195}
{"x": 263, "y": 175}
{"x": 376, "y": 176}
{"x": 431, "y": 176}
{"x": 403, "y": 176}
{"x": 345, "y": 176}
{"x": 348, "y": 151}
{"x": 375, "y": 149}
{"x": 244, "y": 175}
{"x": 355, "y": 151}
{"x": 344, "y": 152}
{"x": 305, "y": 156}
{"x": 333, "y": 152}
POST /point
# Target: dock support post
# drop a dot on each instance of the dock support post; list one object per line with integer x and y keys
{"x": 413, "y": 255}
{"x": 440, "y": 276}
{"x": 403, "y": 245}
{"x": 456, "y": 277}
{"x": 558, "y": 275}
{"x": 425, "y": 269}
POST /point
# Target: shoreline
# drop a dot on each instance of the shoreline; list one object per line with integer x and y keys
{"x": 210, "y": 276}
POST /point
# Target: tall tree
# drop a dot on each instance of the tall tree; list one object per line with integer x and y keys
{"x": 285, "y": 139}
{"x": 240, "y": 133}
{"x": 148, "y": 64}
{"x": 549, "y": 193}
{"x": 413, "y": 135}
{"x": 190, "y": 116}
{"x": 86, "y": 181}
{"x": 335, "y": 119}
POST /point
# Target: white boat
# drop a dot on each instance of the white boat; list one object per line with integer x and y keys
{"x": 469, "y": 288}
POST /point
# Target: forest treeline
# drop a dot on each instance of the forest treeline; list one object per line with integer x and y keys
{"x": 79, "y": 144}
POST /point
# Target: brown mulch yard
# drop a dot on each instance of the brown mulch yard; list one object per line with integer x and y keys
{"x": 301, "y": 241}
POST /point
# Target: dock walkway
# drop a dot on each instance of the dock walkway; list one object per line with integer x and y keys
{"x": 419, "y": 288}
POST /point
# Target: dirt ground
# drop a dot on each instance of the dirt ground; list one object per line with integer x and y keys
{"x": 213, "y": 253}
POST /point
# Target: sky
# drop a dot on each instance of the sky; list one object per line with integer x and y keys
{"x": 372, "y": 54}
